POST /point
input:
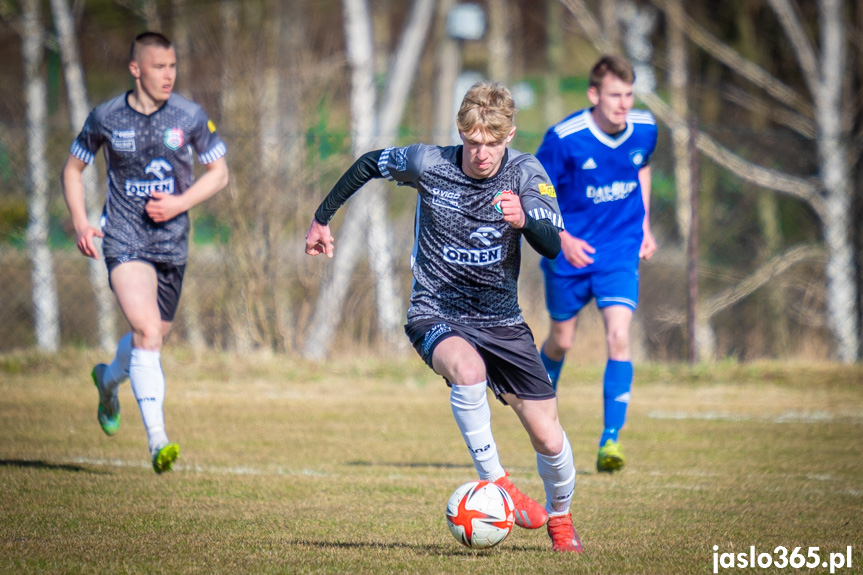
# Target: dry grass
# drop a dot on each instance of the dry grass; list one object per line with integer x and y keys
{"x": 290, "y": 467}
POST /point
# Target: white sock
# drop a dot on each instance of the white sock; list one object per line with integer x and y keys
{"x": 148, "y": 385}
{"x": 473, "y": 416}
{"x": 118, "y": 370}
{"x": 558, "y": 477}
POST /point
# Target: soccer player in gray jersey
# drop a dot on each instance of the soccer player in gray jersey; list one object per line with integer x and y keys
{"x": 475, "y": 203}
{"x": 149, "y": 135}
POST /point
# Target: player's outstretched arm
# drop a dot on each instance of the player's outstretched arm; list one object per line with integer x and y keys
{"x": 319, "y": 240}
{"x": 73, "y": 193}
{"x": 163, "y": 207}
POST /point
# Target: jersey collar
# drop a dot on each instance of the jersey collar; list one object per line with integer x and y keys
{"x": 608, "y": 140}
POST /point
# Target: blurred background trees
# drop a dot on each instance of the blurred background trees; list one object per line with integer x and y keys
{"x": 760, "y": 105}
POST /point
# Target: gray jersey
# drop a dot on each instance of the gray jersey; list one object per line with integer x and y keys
{"x": 466, "y": 258}
{"x": 146, "y": 154}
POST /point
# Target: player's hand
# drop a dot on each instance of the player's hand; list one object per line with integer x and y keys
{"x": 162, "y": 207}
{"x": 648, "y": 245}
{"x": 575, "y": 250}
{"x": 319, "y": 240}
{"x": 510, "y": 206}
{"x": 85, "y": 243}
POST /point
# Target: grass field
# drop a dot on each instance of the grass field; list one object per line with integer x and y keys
{"x": 291, "y": 467}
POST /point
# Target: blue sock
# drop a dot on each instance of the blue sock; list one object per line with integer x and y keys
{"x": 617, "y": 384}
{"x": 552, "y": 367}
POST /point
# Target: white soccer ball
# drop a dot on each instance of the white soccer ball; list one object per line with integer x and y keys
{"x": 480, "y": 514}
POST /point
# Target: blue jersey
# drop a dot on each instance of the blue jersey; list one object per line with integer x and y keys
{"x": 598, "y": 191}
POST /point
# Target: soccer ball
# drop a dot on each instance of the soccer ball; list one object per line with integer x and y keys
{"x": 480, "y": 514}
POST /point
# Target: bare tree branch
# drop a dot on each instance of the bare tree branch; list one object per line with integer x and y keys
{"x": 802, "y": 188}
{"x": 742, "y": 289}
{"x": 749, "y": 70}
{"x": 589, "y": 25}
{"x": 800, "y": 42}
{"x": 797, "y": 122}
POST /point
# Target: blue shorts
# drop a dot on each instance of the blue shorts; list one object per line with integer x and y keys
{"x": 565, "y": 296}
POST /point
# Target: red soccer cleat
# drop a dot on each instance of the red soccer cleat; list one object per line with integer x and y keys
{"x": 563, "y": 535}
{"x": 528, "y": 513}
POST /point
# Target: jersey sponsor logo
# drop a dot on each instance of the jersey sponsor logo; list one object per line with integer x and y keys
{"x": 614, "y": 192}
{"x": 547, "y": 190}
{"x": 174, "y": 138}
{"x": 145, "y": 188}
{"x": 636, "y": 157}
{"x": 123, "y": 140}
{"x": 590, "y": 164}
{"x": 484, "y": 233}
{"x": 467, "y": 257}
{"x": 446, "y": 199}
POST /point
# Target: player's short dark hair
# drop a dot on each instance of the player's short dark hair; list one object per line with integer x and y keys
{"x": 148, "y": 39}
{"x": 611, "y": 64}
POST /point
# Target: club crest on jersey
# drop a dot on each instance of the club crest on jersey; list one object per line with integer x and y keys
{"x": 174, "y": 138}
{"x": 497, "y": 206}
{"x": 636, "y": 157}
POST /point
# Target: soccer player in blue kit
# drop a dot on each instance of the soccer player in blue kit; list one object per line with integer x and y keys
{"x": 598, "y": 160}
{"x": 475, "y": 203}
{"x": 148, "y": 135}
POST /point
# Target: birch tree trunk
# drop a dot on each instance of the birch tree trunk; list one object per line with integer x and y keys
{"x": 824, "y": 77}
{"x": 367, "y": 210}
{"x": 79, "y": 108}
{"x": 46, "y": 311}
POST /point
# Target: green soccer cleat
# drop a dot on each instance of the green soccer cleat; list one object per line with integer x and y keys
{"x": 164, "y": 459}
{"x": 108, "y": 412}
{"x": 610, "y": 457}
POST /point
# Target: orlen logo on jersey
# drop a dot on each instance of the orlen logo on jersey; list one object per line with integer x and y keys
{"x": 616, "y": 191}
{"x": 465, "y": 257}
{"x": 145, "y": 188}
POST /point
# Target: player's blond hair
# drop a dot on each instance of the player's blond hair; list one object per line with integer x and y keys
{"x": 614, "y": 65}
{"x": 488, "y": 106}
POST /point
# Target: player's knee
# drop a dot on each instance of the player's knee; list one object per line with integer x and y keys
{"x": 469, "y": 373}
{"x": 558, "y": 345}
{"x": 148, "y": 337}
{"x": 550, "y": 443}
{"x": 618, "y": 341}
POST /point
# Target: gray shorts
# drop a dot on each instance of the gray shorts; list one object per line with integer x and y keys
{"x": 511, "y": 359}
{"x": 170, "y": 282}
